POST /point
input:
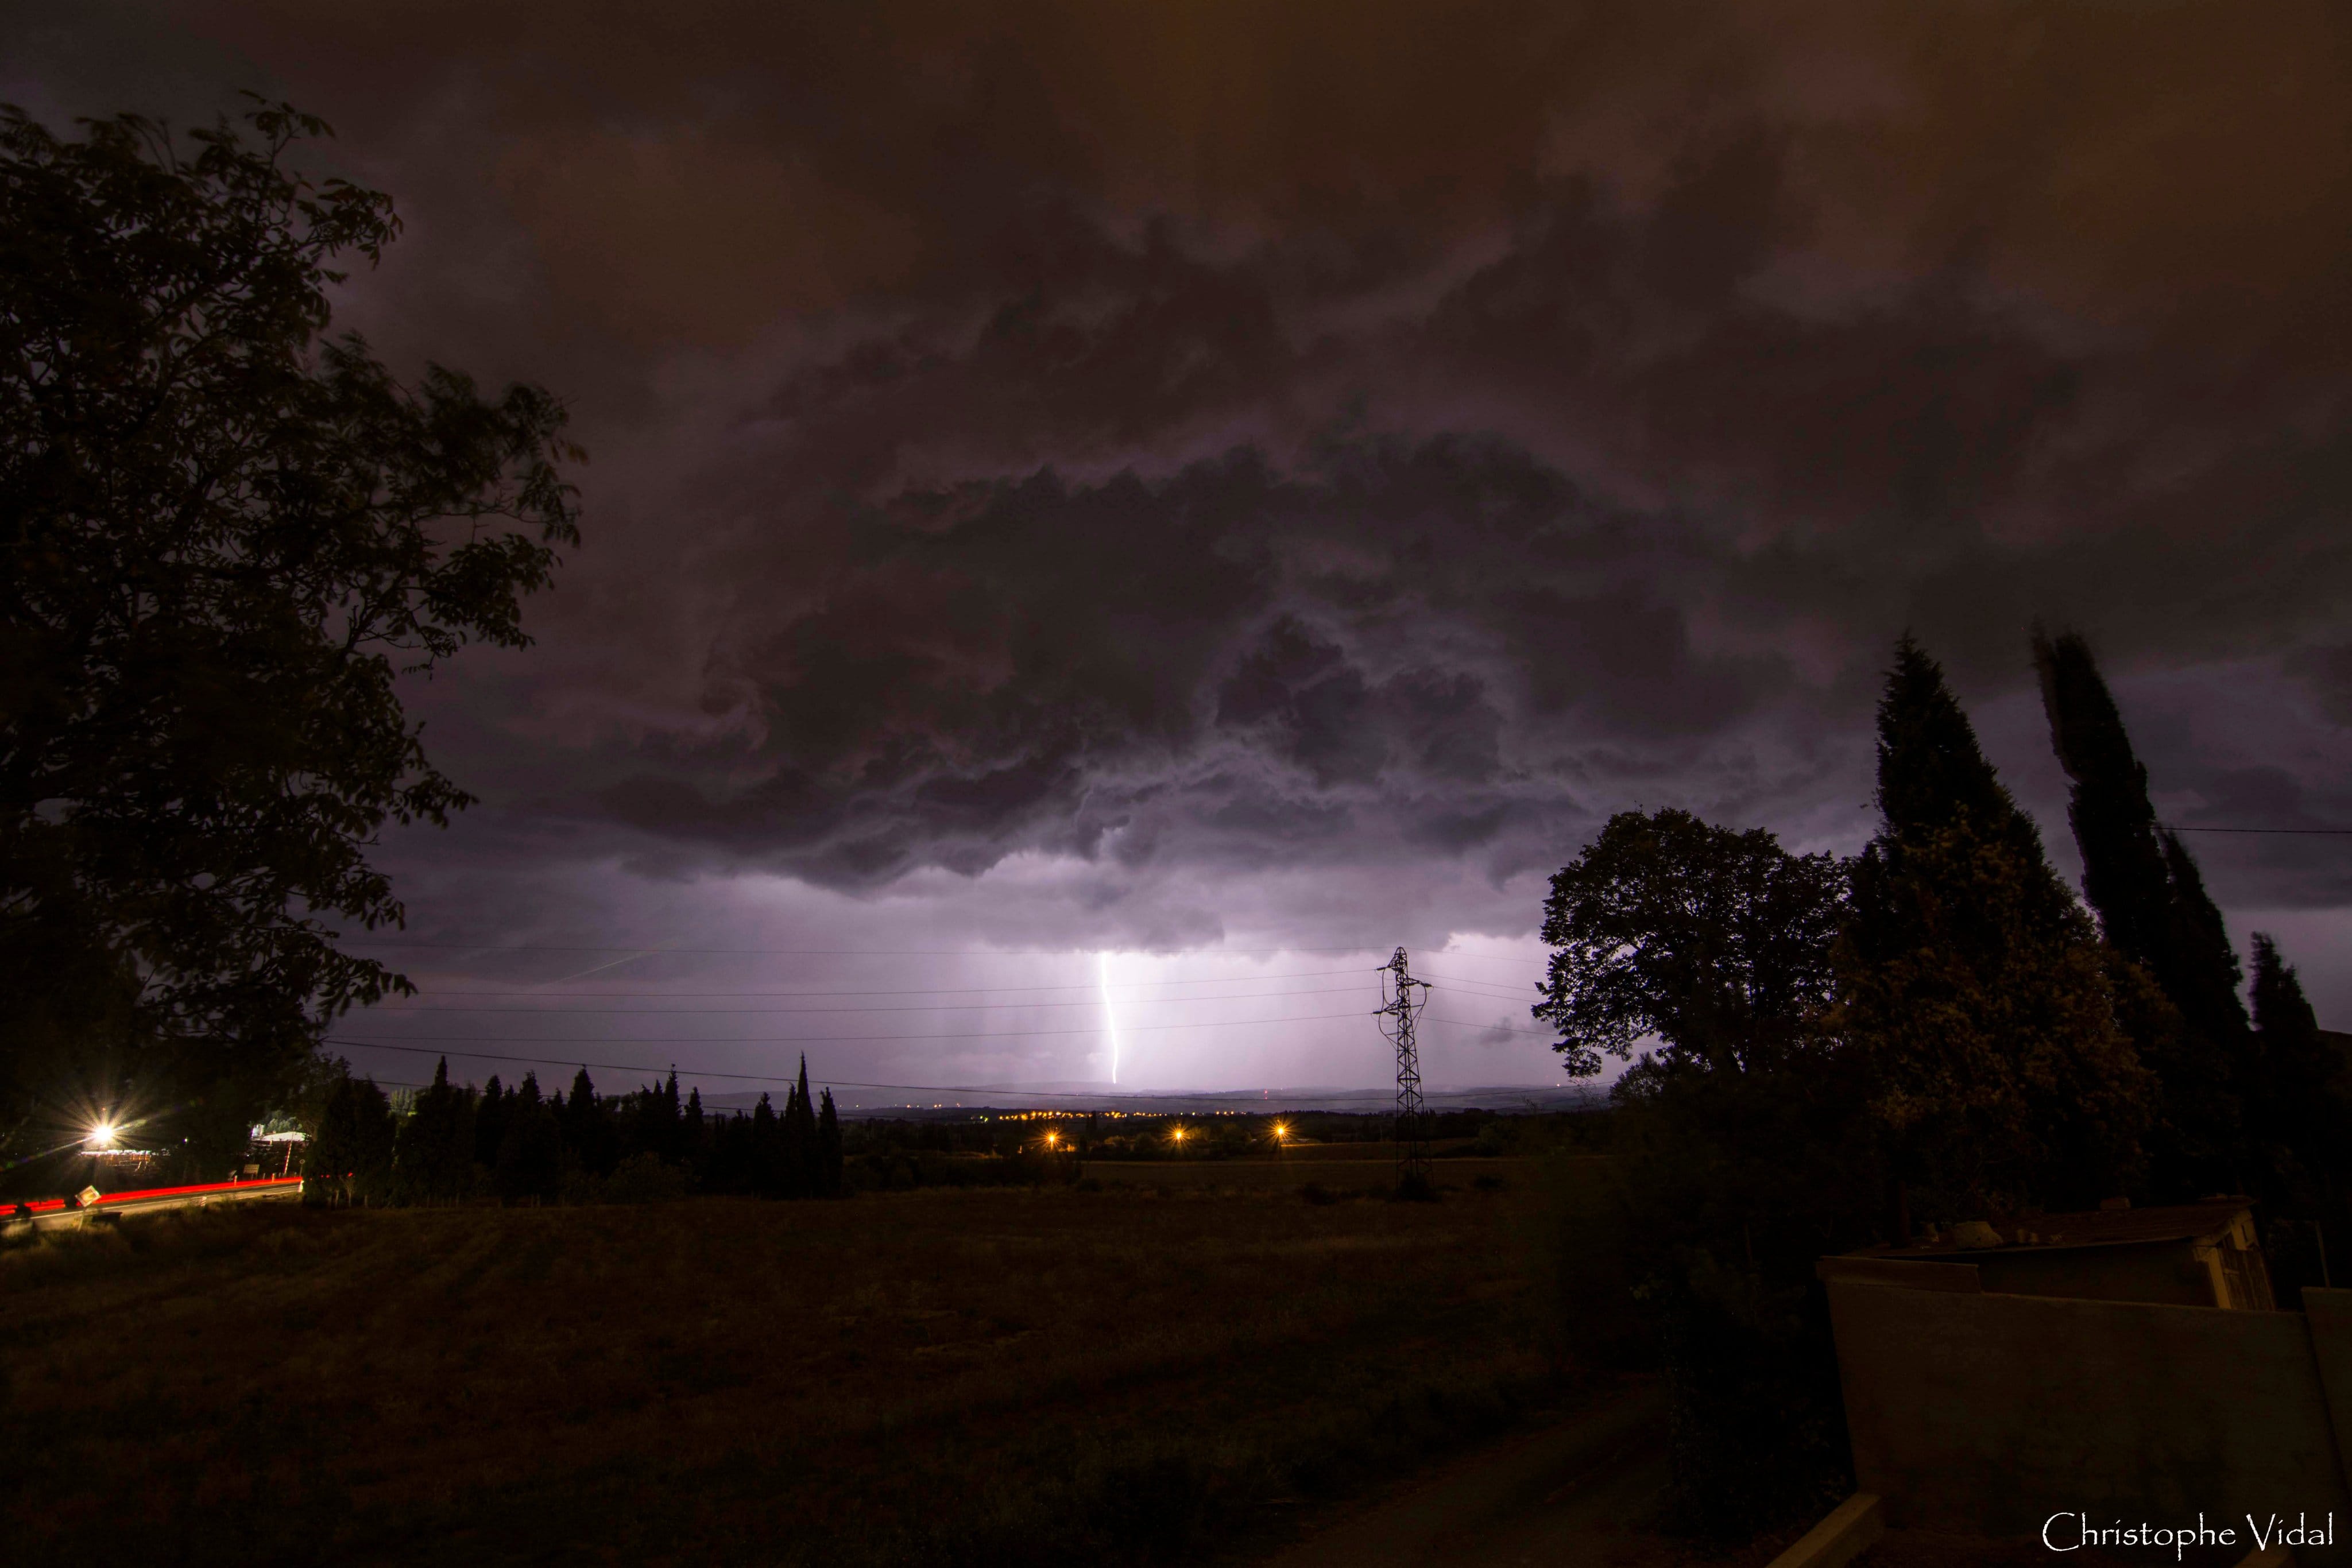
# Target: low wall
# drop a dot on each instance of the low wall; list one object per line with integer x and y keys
{"x": 1986, "y": 1413}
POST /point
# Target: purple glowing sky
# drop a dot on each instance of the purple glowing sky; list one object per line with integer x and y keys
{"x": 1224, "y": 484}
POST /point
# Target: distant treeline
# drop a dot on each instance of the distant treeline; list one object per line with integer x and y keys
{"x": 457, "y": 1143}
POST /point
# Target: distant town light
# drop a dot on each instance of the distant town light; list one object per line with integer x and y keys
{"x": 101, "y": 1136}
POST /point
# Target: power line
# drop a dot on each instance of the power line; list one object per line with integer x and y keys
{"x": 803, "y": 1012}
{"x": 1507, "y": 1029}
{"x": 2320, "y": 833}
{"x": 910, "y": 990}
{"x": 848, "y": 1039}
{"x": 1470, "y": 979}
{"x": 1514, "y": 997}
{"x": 696, "y": 1074}
{"x": 366, "y": 939}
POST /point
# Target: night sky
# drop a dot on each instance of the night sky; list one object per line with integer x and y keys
{"x": 1240, "y": 487}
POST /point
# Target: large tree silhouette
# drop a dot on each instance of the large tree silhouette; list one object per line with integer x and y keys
{"x": 225, "y": 536}
{"x": 1975, "y": 983}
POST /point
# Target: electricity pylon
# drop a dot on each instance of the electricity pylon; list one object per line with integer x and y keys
{"x": 1399, "y": 1006}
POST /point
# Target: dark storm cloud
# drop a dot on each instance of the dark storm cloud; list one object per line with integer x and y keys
{"x": 1233, "y": 438}
{"x": 1228, "y": 663}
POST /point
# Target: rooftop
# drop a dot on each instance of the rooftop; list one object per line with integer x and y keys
{"x": 2208, "y": 1222}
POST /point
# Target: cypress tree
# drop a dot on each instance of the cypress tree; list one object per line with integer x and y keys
{"x": 801, "y": 1177}
{"x": 2296, "y": 1112}
{"x": 432, "y": 1156}
{"x": 490, "y": 1125}
{"x": 2151, "y": 901}
{"x": 764, "y": 1151}
{"x": 588, "y": 1137}
{"x": 531, "y": 1152}
{"x": 828, "y": 1148}
{"x": 2201, "y": 974}
{"x": 694, "y": 1139}
{"x": 2189, "y": 1027}
{"x": 657, "y": 1118}
{"x": 1975, "y": 985}
{"x": 2123, "y": 877}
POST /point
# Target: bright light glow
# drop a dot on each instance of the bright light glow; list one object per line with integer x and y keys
{"x": 101, "y": 1136}
{"x": 1052, "y": 1139}
{"x": 1281, "y": 1131}
{"x": 1110, "y": 1014}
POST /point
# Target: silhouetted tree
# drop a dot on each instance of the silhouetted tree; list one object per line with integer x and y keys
{"x": 490, "y": 1123}
{"x": 590, "y": 1140}
{"x": 802, "y": 1175}
{"x": 693, "y": 1134}
{"x": 2302, "y": 1140}
{"x": 1715, "y": 944}
{"x": 764, "y": 1151}
{"x": 657, "y": 1119}
{"x": 2155, "y": 912}
{"x": 1740, "y": 1140}
{"x": 351, "y": 1160}
{"x": 433, "y": 1157}
{"x": 1975, "y": 983}
{"x": 226, "y": 539}
{"x": 828, "y": 1148}
{"x": 531, "y": 1152}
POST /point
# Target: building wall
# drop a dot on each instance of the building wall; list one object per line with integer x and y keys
{"x": 2150, "y": 1271}
{"x": 1986, "y": 1413}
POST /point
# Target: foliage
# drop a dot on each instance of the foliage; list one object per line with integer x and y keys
{"x": 1973, "y": 983}
{"x": 225, "y": 538}
{"x": 531, "y": 1149}
{"x": 1940, "y": 1011}
{"x": 1717, "y": 943}
{"x": 2294, "y": 1109}
{"x": 827, "y": 1183}
{"x": 349, "y": 1161}
{"x": 432, "y": 1156}
{"x": 1738, "y": 1146}
{"x": 2186, "y": 1019}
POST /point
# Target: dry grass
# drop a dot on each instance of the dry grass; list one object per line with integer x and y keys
{"x": 939, "y": 1378}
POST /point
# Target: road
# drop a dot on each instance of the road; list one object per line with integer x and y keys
{"x": 53, "y": 1213}
{"x": 1573, "y": 1495}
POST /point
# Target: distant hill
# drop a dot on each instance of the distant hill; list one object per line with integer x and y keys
{"x": 1079, "y": 1098}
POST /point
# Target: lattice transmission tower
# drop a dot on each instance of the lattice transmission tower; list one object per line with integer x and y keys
{"x": 1399, "y": 1006}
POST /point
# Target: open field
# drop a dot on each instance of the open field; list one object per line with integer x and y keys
{"x": 1336, "y": 1167}
{"x": 940, "y": 1377}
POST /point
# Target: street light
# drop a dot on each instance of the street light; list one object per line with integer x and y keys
{"x": 101, "y": 1136}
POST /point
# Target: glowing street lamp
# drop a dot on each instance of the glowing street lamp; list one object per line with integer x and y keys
{"x": 102, "y": 1135}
